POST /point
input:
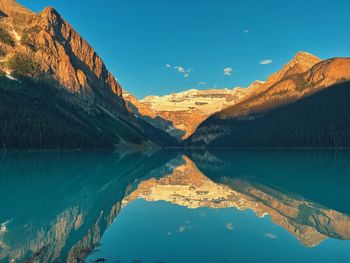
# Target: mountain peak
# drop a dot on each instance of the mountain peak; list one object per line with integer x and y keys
{"x": 256, "y": 84}
{"x": 49, "y": 11}
{"x": 300, "y": 63}
{"x": 304, "y": 57}
{"x": 50, "y": 15}
{"x": 304, "y": 53}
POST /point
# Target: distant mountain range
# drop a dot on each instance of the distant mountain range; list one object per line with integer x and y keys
{"x": 306, "y": 103}
{"x": 184, "y": 111}
{"x": 56, "y": 92}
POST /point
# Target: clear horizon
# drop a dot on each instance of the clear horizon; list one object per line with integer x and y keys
{"x": 160, "y": 48}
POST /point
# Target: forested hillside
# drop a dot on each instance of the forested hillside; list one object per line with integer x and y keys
{"x": 34, "y": 114}
{"x": 321, "y": 120}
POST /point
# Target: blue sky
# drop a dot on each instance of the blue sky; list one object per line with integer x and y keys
{"x": 162, "y": 46}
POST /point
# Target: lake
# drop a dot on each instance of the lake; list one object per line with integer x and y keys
{"x": 175, "y": 206}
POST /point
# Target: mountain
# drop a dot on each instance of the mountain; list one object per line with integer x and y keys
{"x": 146, "y": 113}
{"x": 304, "y": 104}
{"x": 184, "y": 111}
{"x": 63, "y": 95}
{"x": 54, "y": 49}
{"x": 301, "y": 62}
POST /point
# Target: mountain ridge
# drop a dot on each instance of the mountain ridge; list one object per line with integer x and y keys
{"x": 185, "y": 110}
{"x": 320, "y": 75}
{"x": 274, "y": 94}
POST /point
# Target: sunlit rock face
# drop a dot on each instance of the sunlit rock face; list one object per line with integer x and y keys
{"x": 59, "y": 51}
{"x": 187, "y": 186}
{"x": 186, "y": 110}
{"x": 301, "y": 62}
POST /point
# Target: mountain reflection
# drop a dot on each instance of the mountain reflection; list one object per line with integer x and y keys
{"x": 309, "y": 222}
{"x": 56, "y": 206}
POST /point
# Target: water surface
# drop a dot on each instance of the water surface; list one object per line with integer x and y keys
{"x": 168, "y": 206}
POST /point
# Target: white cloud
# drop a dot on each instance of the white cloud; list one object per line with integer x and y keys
{"x": 266, "y": 62}
{"x": 180, "y": 69}
{"x": 228, "y": 71}
{"x": 202, "y": 83}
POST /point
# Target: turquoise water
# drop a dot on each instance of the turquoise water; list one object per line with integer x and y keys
{"x": 168, "y": 206}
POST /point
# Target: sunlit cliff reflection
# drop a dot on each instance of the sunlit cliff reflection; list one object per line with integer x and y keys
{"x": 187, "y": 186}
{"x": 56, "y": 206}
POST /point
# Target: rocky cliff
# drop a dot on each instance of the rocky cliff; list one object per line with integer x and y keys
{"x": 58, "y": 50}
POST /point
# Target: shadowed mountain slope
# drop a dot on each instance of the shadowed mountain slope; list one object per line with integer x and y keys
{"x": 302, "y": 109}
